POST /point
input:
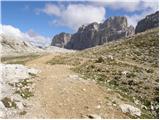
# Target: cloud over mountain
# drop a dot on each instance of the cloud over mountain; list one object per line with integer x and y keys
{"x": 74, "y": 15}
{"x": 30, "y": 36}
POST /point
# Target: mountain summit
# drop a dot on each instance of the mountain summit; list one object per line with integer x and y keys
{"x": 97, "y": 34}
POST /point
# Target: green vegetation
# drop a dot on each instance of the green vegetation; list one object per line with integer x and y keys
{"x": 129, "y": 66}
{"x": 8, "y": 103}
{"x": 18, "y": 59}
{"x": 24, "y": 93}
{"x": 23, "y": 90}
{"x": 23, "y": 113}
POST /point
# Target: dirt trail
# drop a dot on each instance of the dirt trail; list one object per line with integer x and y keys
{"x": 60, "y": 93}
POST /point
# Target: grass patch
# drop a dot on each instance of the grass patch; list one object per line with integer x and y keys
{"x": 18, "y": 59}
{"x": 25, "y": 93}
{"x": 23, "y": 90}
{"x": 8, "y": 103}
{"x": 23, "y": 113}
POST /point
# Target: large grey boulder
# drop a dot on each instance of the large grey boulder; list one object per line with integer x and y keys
{"x": 97, "y": 34}
{"x": 61, "y": 39}
{"x": 150, "y": 21}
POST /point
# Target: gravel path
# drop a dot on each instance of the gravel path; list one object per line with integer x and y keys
{"x": 61, "y": 93}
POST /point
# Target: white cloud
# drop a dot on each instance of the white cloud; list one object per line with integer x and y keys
{"x": 75, "y": 15}
{"x": 148, "y": 8}
{"x": 11, "y": 31}
{"x": 128, "y": 5}
{"x": 133, "y": 19}
{"x": 30, "y": 36}
{"x": 51, "y": 9}
{"x": 38, "y": 40}
{"x": 138, "y": 9}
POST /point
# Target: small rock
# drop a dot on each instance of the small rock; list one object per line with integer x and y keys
{"x": 84, "y": 89}
{"x": 143, "y": 107}
{"x": 20, "y": 105}
{"x": 2, "y": 114}
{"x": 125, "y": 72}
{"x": 94, "y": 116}
{"x": 75, "y": 77}
{"x": 2, "y": 105}
{"x": 98, "y": 106}
{"x": 114, "y": 104}
{"x": 136, "y": 102}
{"x": 110, "y": 57}
{"x": 126, "y": 108}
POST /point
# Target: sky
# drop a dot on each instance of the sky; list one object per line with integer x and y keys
{"x": 42, "y": 20}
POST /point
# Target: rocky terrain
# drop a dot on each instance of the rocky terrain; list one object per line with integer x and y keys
{"x": 15, "y": 45}
{"x": 16, "y": 87}
{"x": 95, "y": 34}
{"x": 150, "y": 21}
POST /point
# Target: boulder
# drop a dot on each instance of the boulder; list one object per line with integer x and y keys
{"x": 126, "y": 108}
{"x": 150, "y": 21}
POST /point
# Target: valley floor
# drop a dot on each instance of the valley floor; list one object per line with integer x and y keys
{"x": 61, "y": 93}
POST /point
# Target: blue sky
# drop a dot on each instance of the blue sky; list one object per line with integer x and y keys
{"x": 50, "y": 18}
{"x": 22, "y": 15}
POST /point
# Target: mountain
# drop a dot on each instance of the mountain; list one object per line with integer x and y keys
{"x": 15, "y": 45}
{"x": 150, "y": 21}
{"x": 61, "y": 39}
{"x": 95, "y": 34}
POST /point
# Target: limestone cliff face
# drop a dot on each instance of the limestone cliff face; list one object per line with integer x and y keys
{"x": 96, "y": 34}
{"x": 84, "y": 37}
{"x": 61, "y": 39}
{"x": 150, "y": 21}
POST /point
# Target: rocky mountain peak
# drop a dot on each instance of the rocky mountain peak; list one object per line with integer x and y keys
{"x": 92, "y": 26}
{"x": 150, "y": 21}
{"x": 116, "y": 22}
{"x": 61, "y": 39}
{"x": 95, "y": 34}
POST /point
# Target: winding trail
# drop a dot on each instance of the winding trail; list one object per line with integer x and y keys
{"x": 60, "y": 93}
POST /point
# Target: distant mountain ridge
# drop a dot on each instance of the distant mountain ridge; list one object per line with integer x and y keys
{"x": 95, "y": 34}
{"x": 15, "y": 45}
{"x": 112, "y": 29}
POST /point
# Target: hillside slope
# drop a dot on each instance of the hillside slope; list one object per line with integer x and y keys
{"x": 128, "y": 66}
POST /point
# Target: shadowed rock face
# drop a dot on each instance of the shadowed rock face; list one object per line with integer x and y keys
{"x": 61, "y": 39}
{"x": 96, "y": 34}
{"x": 84, "y": 38}
{"x": 150, "y": 21}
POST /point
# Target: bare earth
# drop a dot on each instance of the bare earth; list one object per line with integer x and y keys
{"x": 59, "y": 93}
